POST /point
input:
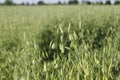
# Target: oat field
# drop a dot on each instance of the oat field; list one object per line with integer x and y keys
{"x": 60, "y": 42}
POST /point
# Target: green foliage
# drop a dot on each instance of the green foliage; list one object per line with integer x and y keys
{"x": 117, "y": 2}
{"x": 100, "y": 3}
{"x": 8, "y": 2}
{"x": 59, "y": 3}
{"x": 40, "y": 3}
{"x": 73, "y": 2}
{"x": 22, "y": 3}
{"x": 108, "y": 2}
{"x": 87, "y": 2}
{"x": 60, "y": 42}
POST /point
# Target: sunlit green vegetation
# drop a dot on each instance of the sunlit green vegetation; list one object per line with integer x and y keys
{"x": 60, "y": 42}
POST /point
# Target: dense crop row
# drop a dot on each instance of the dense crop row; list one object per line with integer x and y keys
{"x": 59, "y": 42}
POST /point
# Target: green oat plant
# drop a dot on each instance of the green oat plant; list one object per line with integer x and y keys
{"x": 65, "y": 42}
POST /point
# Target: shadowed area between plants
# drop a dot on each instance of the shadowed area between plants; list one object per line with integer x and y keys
{"x": 59, "y": 41}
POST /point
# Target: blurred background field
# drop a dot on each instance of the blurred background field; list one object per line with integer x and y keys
{"x": 65, "y": 42}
